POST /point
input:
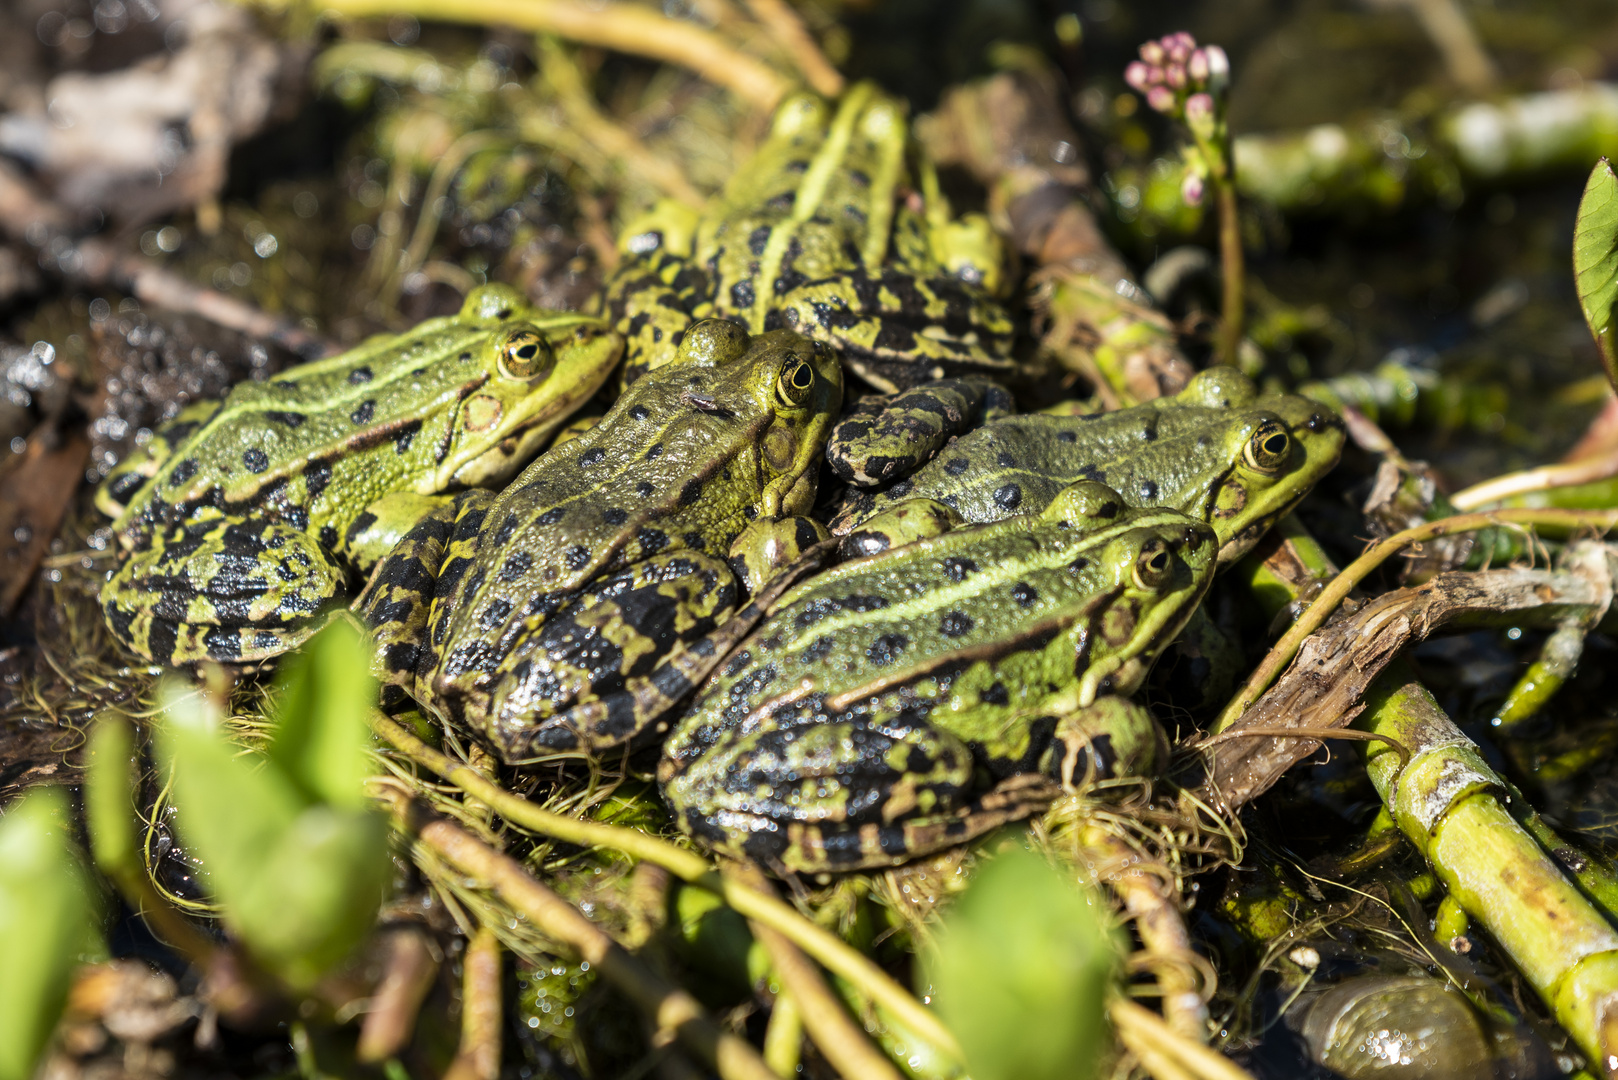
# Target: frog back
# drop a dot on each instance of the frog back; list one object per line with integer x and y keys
{"x": 685, "y": 460}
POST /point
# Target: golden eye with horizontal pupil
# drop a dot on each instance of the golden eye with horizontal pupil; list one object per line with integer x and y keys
{"x": 1270, "y": 447}
{"x": 1154, "y": 565}
{"x": 797, "y": 379}
{"x": 523, "y": 353}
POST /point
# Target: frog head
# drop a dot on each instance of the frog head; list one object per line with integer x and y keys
{"x": 1265, "y": 453}
{"x": 1150, "y": 569}
{"x": 531, "y": 368}
{"x": 787, "y": 386}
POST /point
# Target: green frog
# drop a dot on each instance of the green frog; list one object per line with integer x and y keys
{"x": 820, "y": 233}
{"x": 576, "y": 609}
{"x": 912, "y": 699}
{"x": 1217, "y": 451}
{"x": 244, "y": 519}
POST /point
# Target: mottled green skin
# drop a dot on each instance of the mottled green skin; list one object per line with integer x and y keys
{"x": 884, "y": 438}
{"x": 577, "y": 608}
{"x": 1205, "y": 451}
{"x": 901, "y": 703}
{"x": 246, "y": 517}
{"x": 812, "y": 235}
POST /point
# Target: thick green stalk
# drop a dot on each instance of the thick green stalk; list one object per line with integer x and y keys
{"x": 1448, "y": 802}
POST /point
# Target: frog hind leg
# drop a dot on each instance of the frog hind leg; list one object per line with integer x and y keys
{"x": 650, "y": 300}
{"x": 884, "y": 439}
{"x": 896, "y": 329}
{"x": 637, "y": 709}
{"x": 218, "y": 588}
{"x": 834, "y": 796}
{"x": 397, "y": 601}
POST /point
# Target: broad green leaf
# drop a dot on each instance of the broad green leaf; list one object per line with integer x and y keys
{"x": 1595, "y": 261}
{"x": 232, "y": 806}
{"x": 45, "y": 914}
{"x": 316, "y": 893}
{"x": 322, "y": 741}
{"x": 109, "y": 786}
{"x": 298, "y": 880}
{"x": 1021, "y": 970}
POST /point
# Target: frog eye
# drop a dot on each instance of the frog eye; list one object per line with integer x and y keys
{"x": 523, "y": 354}
{"x": 797, "y": 379}
{"x": 1154, "y": 565}
{"x": 1270, "y": 447}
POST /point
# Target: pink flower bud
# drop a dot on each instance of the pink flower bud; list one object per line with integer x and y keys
{"x": 1174, "y": 75}
{"x": 1136, "y": 75}
{"x": 1191, "y": 189}
{"x": 1199, "y": 115}
{"x": 1197, "y": 66}
{"x": 1218, "y": 69}
{"x": 1161, "y": 98}
{"x": 1153, "y": 53}
{"x": 1179, "y": 46}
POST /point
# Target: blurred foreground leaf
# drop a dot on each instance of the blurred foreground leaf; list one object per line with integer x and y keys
{"x": 296, "y": 860}
{"x": 44, "y": 924}
{"x": 1021, "y": 971}
{"x": 1595, "y": 261}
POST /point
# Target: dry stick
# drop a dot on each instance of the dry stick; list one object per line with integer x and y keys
{"x": 626, "y": 28}
{"x": 151, "y": 284}
{"x": 787, "y": 28}
{"x": 406, "y": 978}
{"x": 1323, "y": 686}
{"x": 672, "y": 1010}
{"x": 1145, "y": 1035}
{"x": 479, "y": 1055}
{"x": 828, "y": 949}
{"x": 842, "y": 1042}
{"x": 1357, "y": 571}
{"x": 1600, "y": 467}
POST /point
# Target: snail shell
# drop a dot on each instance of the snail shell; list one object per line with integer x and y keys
{"x": 1397, "y": 1029}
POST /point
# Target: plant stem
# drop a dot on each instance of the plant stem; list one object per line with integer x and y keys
{"x": 479, "y": 1055}
{"x": 1445, "y": 801}
{"x": 1232, "y": 269}
{"x": 1358, "y": 570}
{"x": 626, "y": 28}
{"x": 830, "y": 951}
{"x": 670, "y": 1008}
{"x": 1145, "y": 1035}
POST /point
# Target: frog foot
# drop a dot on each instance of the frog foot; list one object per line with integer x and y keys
{"x": 1110, "y": 737}
{"x": 911, "y": 520}
{"x": 220, "y": 588}
{"x": 769, "y": 545}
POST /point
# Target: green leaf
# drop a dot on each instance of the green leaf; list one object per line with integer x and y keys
{"x": 299, "y": 880}
{"x": 1021, "y": 970}
{"x": 109, "y": 803}
{"x": 322, "y": 741}
{"x": 316, "y": 893}
{"x": 1595, "y": 261}
{"x": 45, "y": 913}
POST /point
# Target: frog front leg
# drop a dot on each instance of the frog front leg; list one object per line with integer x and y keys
{"x": 220, "y": 588}
{"x": 886, "y": 438}
{"x": 843, "y": 795}
{"x": 770, "y": 545}
{"x": 1111, "y": 737}
{"x": 398, "y": 599}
